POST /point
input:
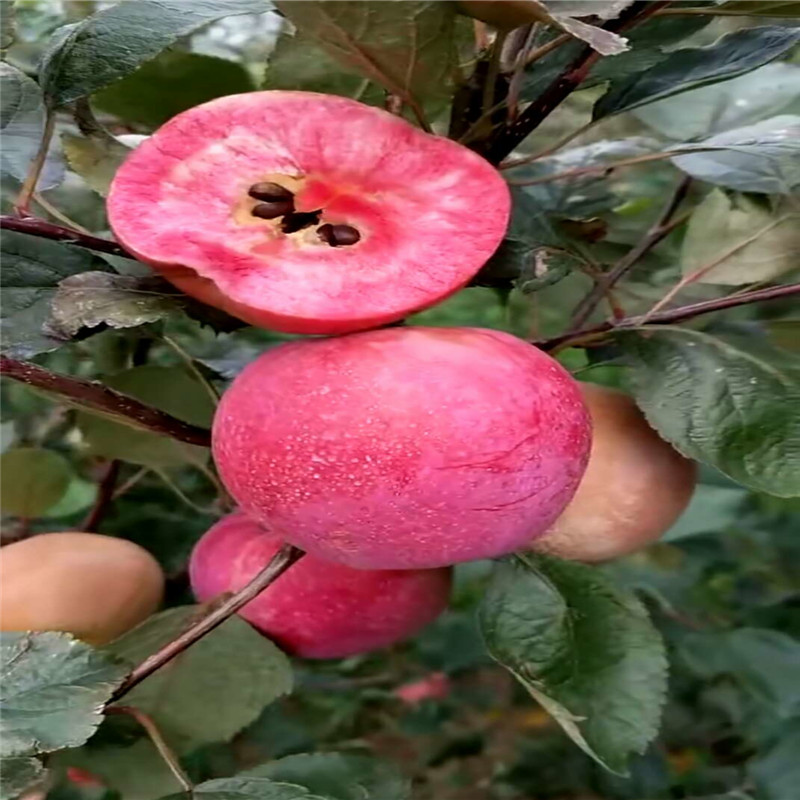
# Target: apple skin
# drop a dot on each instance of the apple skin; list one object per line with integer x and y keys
{"x": 316, "y": 609}
{"x": 403, "y": 448}
{"x": 634, "y": 489}
{"x": 95, "y": 587}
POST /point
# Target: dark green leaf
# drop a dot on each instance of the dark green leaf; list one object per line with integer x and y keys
{"x": 170, "y": 84}
{"x": 18, "y": 775}
{"x": 102, "y": 298}
{"x": 776, "y": 772}
{"x": 22, "y": 124}
{"x": 248, "y": 789}
{"x": 32, "y": 480}
{"x": 53, "y": 691}
{"x": 7, "y": 26}
{"x": 730, "y": 407}
{"x": 337, "y": 776}
{"x": 234, "y": 670}
{"x": 95, "y": 158}
{"x": 169, "y": 388}
{"x": 766, "y": 8}
{"x": 406, "y": 47}
{"x": 583, "y": 648}
{"x": 734, "y": 54}
{"x": 764, "y": 157}
{"x": 112, "y": 43}
{"x": 32, "y": 269}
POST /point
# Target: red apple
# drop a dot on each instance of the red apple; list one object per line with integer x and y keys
{"x": 316, "y": 609}
{"x": 635, "y": 487}
{"x": 308, "y": 213}
{"x": 404, "y": 447}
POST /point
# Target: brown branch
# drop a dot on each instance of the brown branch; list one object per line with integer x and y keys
{"x": 216, "y": 615}
{"x": 105, "y": 495}
{"x": 164, "y": 750}
{"x": 663, "y": 226}
{"x": 508, "y": 137}
{"x": 47, "y": 230}
{"x": 680, "y": 314}
{"x": 94, "y": 395}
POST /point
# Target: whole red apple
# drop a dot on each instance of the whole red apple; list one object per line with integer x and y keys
{"x": 404, "y": 447}
{"x": 316, "y": 609}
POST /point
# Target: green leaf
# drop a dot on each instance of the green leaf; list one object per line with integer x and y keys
{"x": 337, "y": 776}
{"x": 776, "y": 771}
{"x": 406, "y": 47}
{"x": 114, "y": 42}
{"x": 584, "y": 649}
{"x": 18, "y": 775}
{"x": 762, "y": 93}
{"x": 766, "y": 8}
{"x": 712, "y": 508}
{"x": 32, "y": 270}
{"x": 95, "y": 158}
{"x": 744, "y": 240}
{"x": 32, "y": 480}
{"x": 102, "y": 298}
{"x": 52, "y": 692}
{"x": 169, "y": 388}
{"x": 170, "y": 84}
{"x": 234, "y": 670}
{"x": 80, "y": 494}
{"x": 22, "y": 125}
{"x": 248, "y": 789}
{"x": 734, "y": 54}
{"x": 716, "y": 402}
{"x": 8, "y": 28}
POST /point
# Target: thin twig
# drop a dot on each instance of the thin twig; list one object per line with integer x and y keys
{"x": 663, "y": 226}
{"x": 164, "y": 750}
{"x": 181, "y": 495}
{"x": 105, "y": 496}
{"x": 490, "y": 84}
{"x": 216, "y": 615}
{"x": 47, "y": 230}
{"x": 698, "y": 273}
{"x": 545, "y": 49}
{"x": 57, "y": 214}
{"x": 130, "y": 483}
{"x": 711, "y": 11}
{"x": 23, "y": 200}
{"x": 673, "y": 315}
{"x": 549, "y": 150}
{"x": 190, "y": 363}
{"x": 93, "y": 395}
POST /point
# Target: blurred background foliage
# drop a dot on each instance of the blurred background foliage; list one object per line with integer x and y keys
{"x": 723, "y": 586}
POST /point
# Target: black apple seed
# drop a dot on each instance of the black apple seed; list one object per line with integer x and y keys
{"x": 269, "y": 192}
{"x": 272, "y": 210}
{"x": 338, "y": 235}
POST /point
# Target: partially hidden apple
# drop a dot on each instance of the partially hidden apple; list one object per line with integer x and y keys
{"x": 634, "y": 489}
{"x": 316, "y": 609}
{"x": 307, "y": 213}
{"x": 404, "y": 447}
{"x": 95, "y": 587}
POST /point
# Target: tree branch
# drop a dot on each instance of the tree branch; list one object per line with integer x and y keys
{"x": 508, "y": 137}
{"x": 666, "y": 317}
{"x": 216, "y": 615}
{"x": 658, "y": 231}
{"x": 47, "y": 230}
{"x": 105, "y": 495}
{"x": 94, "y": 395}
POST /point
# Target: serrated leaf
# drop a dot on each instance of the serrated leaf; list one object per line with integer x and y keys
{"x": 53, "y": 690}
{"x": 762, "y": 93}
{"x": 112, "y": 43}
{"x": 171, "y": 83}
{"x": 235, "y": 670}
{"x": 32, "y": 269}
{"x": 583, "y": 648}
{"x": 248, "y": 789}
{"x": 723, "y": 224}
{"x": 22, "y": 117}
{"x": 18, "y": 775}
{"x": 406, "y": 47}
{"x": 32, "y": 480}
{"x": 722, "y": 404}
{"x": 102, "y": 298}
{"x": 337, "y": 776}
{"x": 95, "y": 158}
{"x": 732, "y": 55}
{"x": 764, "y": 157}
{"x": 170, "y": 389}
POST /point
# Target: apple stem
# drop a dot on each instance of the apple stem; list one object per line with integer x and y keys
{"x": 215, "y": 616}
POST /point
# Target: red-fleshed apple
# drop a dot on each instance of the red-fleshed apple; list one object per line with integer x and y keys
{"x": 95, "y": 587}
{"x": 316, "y": 609}
{"x": 403, "y": 447}
{"x": 308, "y": 213}
{"x": 635, "y": 487}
